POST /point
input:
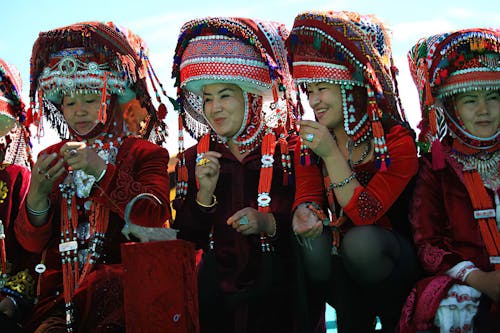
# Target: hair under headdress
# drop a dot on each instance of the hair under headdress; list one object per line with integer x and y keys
{"x": 353, "y": 51}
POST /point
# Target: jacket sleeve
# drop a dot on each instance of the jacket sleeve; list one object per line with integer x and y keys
{"x": 370, "y": 203}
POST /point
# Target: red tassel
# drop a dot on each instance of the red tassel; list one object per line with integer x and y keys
{"x": 162, "y": 111}
{"x": 202, "y": 148}
{"x": 285, "y": 159}
{"x": 266, "y": 173}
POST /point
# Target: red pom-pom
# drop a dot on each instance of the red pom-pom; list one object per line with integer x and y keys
{"x": 162, "y": 111}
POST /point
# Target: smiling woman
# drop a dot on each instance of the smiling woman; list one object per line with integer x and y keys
{"x": 456, "y": 208}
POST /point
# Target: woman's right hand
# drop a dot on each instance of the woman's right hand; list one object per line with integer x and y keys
{"x": 45, "y": 173}
{"x": 207, "y": 173}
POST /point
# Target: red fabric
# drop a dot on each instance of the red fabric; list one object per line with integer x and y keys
{"x": 371, "y": 202}
{"x": 140, "y": 167}
{"x": 163, "y": 284}
{"x": 379, "y": 190}
{"x": 14, "y": 183}
{"x": 445, "y": 233}
{"x": 309, "y": 182}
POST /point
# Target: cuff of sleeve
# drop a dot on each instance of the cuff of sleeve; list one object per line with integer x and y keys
{"x": 461, "y": 270}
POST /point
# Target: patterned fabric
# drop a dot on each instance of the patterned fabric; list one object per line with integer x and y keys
{"x": 14, "y": 135}
{"x": 353, "y": 51}
{"x": 92, "y": 57}
{"x": 245, "y": 52}
{"x": 447, "y": 64}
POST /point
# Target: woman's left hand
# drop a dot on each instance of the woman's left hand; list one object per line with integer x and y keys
{"x": 250, "y": 221}
{"x": 80, "y": 157}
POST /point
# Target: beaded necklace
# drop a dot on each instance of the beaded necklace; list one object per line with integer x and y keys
{"x": 486, "y": 163}
{"x": 79, "y": 184}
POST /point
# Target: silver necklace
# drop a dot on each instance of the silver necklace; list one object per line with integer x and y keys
{"x": 486, "y": 164}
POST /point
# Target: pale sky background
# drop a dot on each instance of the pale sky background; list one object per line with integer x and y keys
{"x": 158, "y": 23}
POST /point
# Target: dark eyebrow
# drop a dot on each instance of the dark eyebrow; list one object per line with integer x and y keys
{"x": 220, "y": 91}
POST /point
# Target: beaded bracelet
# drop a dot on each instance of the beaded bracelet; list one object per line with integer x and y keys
{"x": 35, "y": 212}
{"x": 342, "y": 183}
{"x": 318, "y": 211}
{"x": 214, "y": 202}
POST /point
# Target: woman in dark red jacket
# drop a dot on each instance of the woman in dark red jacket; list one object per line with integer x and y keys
{"x": 456, "y": 206}
{"x": 86, "y": 76}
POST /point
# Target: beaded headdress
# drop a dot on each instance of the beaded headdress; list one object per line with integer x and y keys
{"x": 14, "y": 135}
{"x": 250, "y": 54}
{"x": 448, "y": 64}
{"x": 353, "y": 51}
{"x": 93, "y": 57}
{"x": 245, "y": 52}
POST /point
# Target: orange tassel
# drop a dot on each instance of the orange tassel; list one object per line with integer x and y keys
{"x": 481, "y": 201}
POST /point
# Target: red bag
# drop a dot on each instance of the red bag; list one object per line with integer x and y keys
{"x": 160, "y": 287}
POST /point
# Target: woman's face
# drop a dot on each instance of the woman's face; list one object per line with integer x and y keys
{"x": 224, "y": 107}
{"x": 479, "y": 111}
{"x": 81, "y": 111}
{"x": 326, "y": 101}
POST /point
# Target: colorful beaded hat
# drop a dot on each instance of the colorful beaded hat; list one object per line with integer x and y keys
{"x": 447, "y": 64}
{"x": 93, "y": 57}
{"x": 14, "y": 136}
{"x": 350, "y": 50}
{"x": 250, "y": 54}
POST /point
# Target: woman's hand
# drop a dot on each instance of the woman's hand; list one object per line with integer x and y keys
{"x": 207, "y": 173}
{"x": 80, "y": 157}
{"x": 7, "y": 307}
{"x": 250, "y": 221}
{"x": 306, "y": 223}
{"x": 318, "y": 138}
{"x": 46, "y": 171}
{"x": 486, "y": 282}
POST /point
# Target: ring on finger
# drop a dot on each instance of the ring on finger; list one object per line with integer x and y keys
{"x": 203, "y": 162}
{"x": 73, "y": 152}
{"x": 40, "y": 171}
{"x": 243, "y": 220}
{"x": 47, "y": 175}
{"x": 309, "y": 137}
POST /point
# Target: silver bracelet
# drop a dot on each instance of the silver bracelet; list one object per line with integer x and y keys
{"x": 103, "y": 172}
{"x": 13, "y": 300}
{"x": 342, "y": 183}
{"x": 35, "y": 212}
